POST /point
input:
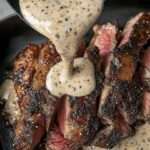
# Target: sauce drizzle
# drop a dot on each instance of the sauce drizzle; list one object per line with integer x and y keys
{"x": 65, "y": 22}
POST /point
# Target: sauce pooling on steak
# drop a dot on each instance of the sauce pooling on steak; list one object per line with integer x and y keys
{"x": 65, "y": 22}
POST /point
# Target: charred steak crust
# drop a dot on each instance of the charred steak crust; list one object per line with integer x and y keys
{"x": 37, "y": 105}
{"x": 122, "y": 92}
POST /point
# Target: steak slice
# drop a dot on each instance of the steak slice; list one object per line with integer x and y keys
{"x": 145, "y": 69}
{"x": 78, "y": 120}
{"x": 105, "y": 40}
{"x": 77, "y": 116}
{"x": 36, "y": 105}
{"x": 122, "y": 93}
{"x": 110, "y": 135}
{"x": 119, "y": 87}
{"x": 145, "y": 74}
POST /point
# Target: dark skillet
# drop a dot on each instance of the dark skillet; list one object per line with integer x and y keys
{"x": 15, "y": 35}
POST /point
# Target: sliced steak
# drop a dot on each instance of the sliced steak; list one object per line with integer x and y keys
{"x": 105, "y": 40}
{"x": 103, "y": 118}
{"x": 122, "y": 93}
{"x": 111, "y": 135}
{"x": 77, "y": 116}
{"x": 78, "y": 120}
{"x": 118, "y": 86}
{"x": 145, "y": 69}
{"x": 145, "y": 73}
{"x": 35, "y": 104}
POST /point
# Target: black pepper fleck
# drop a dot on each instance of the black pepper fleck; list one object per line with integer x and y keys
{"x": 28, "y": 6}
{"x": 66, "y": 19}
{"x": 60, "y": 21}
{"x": 56, "y": 84}
{"x": 74, "y": 88}
{"x": 42, "y": 10}
{"x": 57, "y": 36}
{"x": 90, "y": 14}
{"x": 75, "y": 33}
{"x": 70, "y": 29}
{"x": 148, "y": 139}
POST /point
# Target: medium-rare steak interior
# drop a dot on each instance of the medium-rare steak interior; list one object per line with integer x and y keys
{"x": 32, "y": 116}
{"x": 145, "y": 76}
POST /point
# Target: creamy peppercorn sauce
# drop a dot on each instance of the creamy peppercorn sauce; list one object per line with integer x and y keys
{"x": 65, "y": 22}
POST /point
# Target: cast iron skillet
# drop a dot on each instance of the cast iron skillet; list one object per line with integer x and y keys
{"x": 15, "y": 35}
